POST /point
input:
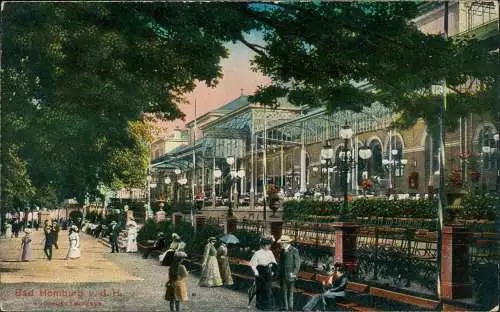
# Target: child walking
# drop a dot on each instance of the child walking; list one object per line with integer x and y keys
{"x": 176, "y": 286}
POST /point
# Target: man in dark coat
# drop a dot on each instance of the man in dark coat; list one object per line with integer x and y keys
{"x": 114, "y": 231}
{"x": 16, "y": 227}
{"x": 334, "y": 293}
{"x": 49, "y": 239}
{"x": 56, "y": 233}
{"x": 289, "y": 264}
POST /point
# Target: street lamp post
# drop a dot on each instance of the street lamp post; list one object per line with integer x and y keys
{"x": 323, "y": 171}
{"x": 327, "y": 155}
{"x": 217, "y": 175}
{"x": 396, "y": 164}
{"x": 365, "y": 153}
{"x": 177, "y": 173}
{"x": 346, "y": 134}
{"x": 149, "y": 178}
{"x": 168, "y": 181}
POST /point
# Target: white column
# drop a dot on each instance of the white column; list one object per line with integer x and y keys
{"x": 282, "y": 171}
{"x": 390, "y": 158}
{"x": 303, "y": 187}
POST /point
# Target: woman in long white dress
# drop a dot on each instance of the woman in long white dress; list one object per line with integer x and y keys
{"x": 132, "y": 236}
{"x": 74, "y": 243}
{"x": 8, "y": 230}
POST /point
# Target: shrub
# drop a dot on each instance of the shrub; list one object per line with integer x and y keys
{"x": 74, "y": 215}
{"x": 408, "y": 208}
{"x": 479, "y": 206}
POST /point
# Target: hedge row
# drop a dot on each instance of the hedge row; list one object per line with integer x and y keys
{"x": 472, "y": 207}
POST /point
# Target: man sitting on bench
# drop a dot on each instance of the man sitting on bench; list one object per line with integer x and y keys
{"x": 160, "y": 244}
{"x": 334, "y": 294}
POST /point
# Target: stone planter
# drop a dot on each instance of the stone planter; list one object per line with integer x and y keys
{"x": 274, "y": 205}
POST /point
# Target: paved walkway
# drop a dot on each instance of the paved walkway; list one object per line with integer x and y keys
{"x": 98, "y": 281}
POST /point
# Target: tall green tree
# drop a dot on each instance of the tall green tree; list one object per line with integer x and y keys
{"x": 76, "y": 74}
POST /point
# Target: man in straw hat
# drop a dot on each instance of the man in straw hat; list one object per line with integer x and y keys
{"x": 289, "y": 268}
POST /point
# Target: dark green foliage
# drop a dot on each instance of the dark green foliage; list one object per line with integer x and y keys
{"x": 148, "y": 231}
{"x": 75, "y": 215}
{"x": 374, "y": 43}
{"x": 94, "y": 217}
{"x": 199, "y": 240}
{"x": 473, "y": 207}
{"x": 479, "y": 206}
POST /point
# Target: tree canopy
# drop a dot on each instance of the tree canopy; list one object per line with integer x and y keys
{"x": 75, "y": 75}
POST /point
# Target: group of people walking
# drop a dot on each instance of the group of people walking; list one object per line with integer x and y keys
{"x": 51, "y": 236}
{"x": 126, "y": 240}
{"x": 215, "y": 266}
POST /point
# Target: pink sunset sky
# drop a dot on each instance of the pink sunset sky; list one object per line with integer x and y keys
{"x": 237, "y": 75}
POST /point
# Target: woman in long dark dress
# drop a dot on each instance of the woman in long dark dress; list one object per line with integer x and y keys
{"x": 264, "y": 265}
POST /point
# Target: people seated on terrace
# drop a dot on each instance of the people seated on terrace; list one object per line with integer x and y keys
{"x": 159, "y": 244}
{"x": 334, "y": 292}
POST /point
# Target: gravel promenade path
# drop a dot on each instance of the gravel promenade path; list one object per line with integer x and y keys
{"x": 98, "y": 281}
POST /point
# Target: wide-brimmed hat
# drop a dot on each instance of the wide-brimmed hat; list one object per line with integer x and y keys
{"x": 160, "y": 234}
{"x": 132, "y": 218}
{"x": 27, "y": 231}
{"x": 180, "y": 254}
{"x": 212, "y": 239}
{"x": 74, "y": 228}
{"x": 175, "y": 236}
{"x": 113, "y": 222}
{"x": 285, "y": 239}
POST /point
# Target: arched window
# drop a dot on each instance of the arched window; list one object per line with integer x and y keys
{"x": 375, "y": 167}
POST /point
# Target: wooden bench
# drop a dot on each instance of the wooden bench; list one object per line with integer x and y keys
{"x": 317, "y": 280}
{"x": 242, "y": 271}
{"x": 404, "y": 298}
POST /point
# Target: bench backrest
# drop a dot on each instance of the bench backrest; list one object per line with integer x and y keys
{"x": 407, "y": 299}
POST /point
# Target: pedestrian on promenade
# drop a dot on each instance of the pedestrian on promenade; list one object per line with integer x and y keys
{"x": 56, "y": 232}
{"x": 16, "y": 227}
{"x": 176, "y": 289}
{"x": 225, "y": 270}
{"x": 168, "y": 256}
{"x": 335, "y": 292}
{"x": 8, "y": 230}
{"x": 131, "y": 236}
{"x": 113, "y": 236}
{"x": 210, "y": 275}
{"x": 26, "y": 252}
{"x": 37, "y": 225}
{"x": 289, "y": 268}
{"x": 74, "y": 243}
{"x": 49, "y": 232}
{"x": 264, "y": 266}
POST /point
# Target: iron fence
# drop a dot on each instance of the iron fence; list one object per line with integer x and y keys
{"x": 256, "y": 226}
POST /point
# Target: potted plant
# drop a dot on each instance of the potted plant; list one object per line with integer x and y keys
{"x": 273, "y": 198}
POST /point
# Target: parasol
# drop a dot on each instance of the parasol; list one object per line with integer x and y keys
{"x": 229, "y": 239}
